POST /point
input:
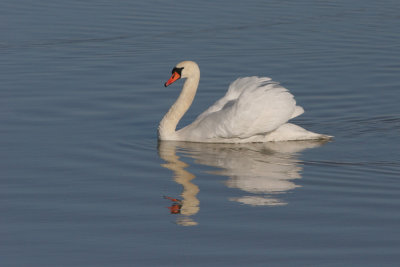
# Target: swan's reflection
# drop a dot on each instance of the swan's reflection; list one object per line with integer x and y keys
{"x": 261, "y": 170}
{"x": 190, "y": 203}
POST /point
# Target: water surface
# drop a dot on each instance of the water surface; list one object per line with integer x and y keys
{"x": 84, "y": 180}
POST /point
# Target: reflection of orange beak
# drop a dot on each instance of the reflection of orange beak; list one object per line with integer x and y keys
{"x": 175, "y": 208}
{"x": 175, "y": 76}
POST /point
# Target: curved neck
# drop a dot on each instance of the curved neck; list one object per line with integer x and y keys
{"x": 167, "y": 127}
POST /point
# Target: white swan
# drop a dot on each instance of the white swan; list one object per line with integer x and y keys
{"x": 253, "y": 110}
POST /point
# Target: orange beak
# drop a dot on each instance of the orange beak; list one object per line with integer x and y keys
{"x": 175, "y": 76}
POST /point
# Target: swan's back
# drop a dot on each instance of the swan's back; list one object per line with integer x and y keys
{"x": 252, "y": 106}
{"x": 235, "y": 89}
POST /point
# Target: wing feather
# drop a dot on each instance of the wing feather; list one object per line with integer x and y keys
{"x": 251, "y": 106}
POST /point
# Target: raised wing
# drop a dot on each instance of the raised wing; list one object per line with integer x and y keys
{"x": 251, "y": 106}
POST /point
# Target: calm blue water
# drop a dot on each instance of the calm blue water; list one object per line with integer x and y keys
{"x": 83, "y": 179}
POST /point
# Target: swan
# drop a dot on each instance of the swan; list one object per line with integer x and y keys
{"x": 254, "y": 109}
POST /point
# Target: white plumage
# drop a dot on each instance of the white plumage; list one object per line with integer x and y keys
{"x": 254, "y": 109}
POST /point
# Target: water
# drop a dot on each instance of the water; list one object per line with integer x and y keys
{"x": 83, "y": 178}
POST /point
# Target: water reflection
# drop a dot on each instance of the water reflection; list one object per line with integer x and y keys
{"x": 261, "y": 170}
{"x": 189, "y": 205}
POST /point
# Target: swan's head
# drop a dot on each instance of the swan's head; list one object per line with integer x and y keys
{"x": 184, "y": 69}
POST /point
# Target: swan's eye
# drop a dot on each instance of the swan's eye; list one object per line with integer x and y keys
{"x": 177, "y": 70}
